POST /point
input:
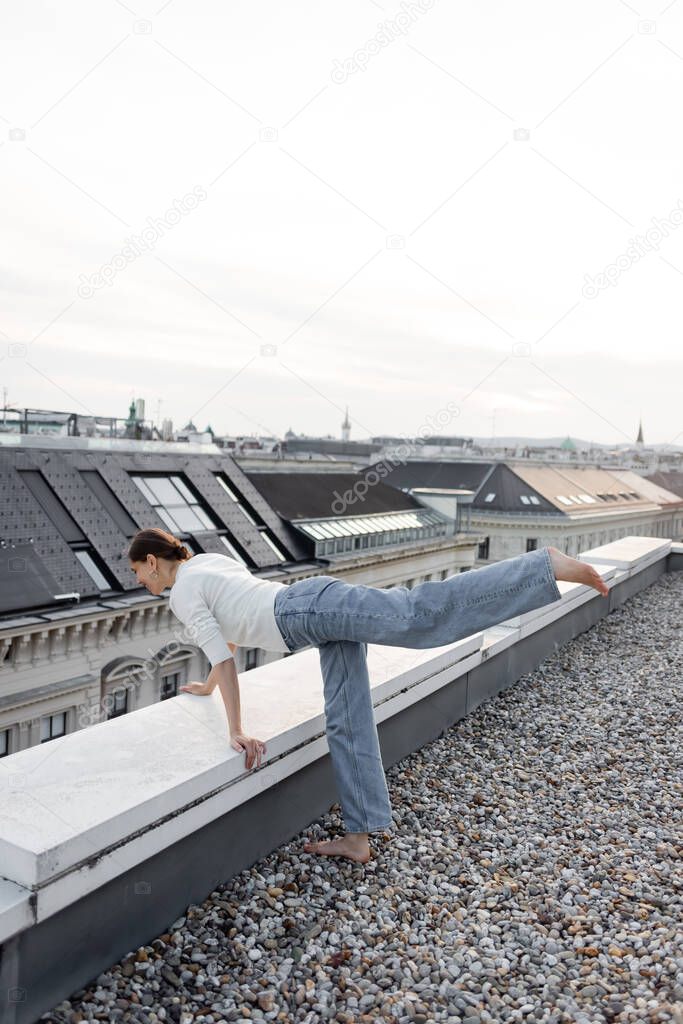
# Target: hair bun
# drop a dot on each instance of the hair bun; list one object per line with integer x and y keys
{"x": 182, "y": 551}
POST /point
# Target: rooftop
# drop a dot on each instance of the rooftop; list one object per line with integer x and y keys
{"x": 533, "y": 827}
{"x": 306, "y": 496}
{"x": 537, "y": 489}
{"x": 541, "y": 827}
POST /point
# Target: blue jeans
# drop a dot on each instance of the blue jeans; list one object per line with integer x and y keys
{"x": 341, "y": 619}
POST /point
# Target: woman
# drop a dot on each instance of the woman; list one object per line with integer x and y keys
{"x": 217, "y": 597}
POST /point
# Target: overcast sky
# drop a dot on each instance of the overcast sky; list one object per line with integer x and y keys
{"x": 402, "y": 207}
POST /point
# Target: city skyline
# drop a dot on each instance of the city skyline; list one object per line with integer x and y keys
{"x": 394, "y": 221}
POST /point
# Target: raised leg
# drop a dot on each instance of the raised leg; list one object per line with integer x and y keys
{"x": 432, "y": 614}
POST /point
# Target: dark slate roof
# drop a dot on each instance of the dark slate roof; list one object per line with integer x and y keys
{"x": 26, "y": 583}
{"x": 481, "y": 477}
{"x": 507, "y": 487}
{"x": 454, "y": 475}
{"x": 671, "y": 481}
{"x": 71, "y": 497}
{"x": 318, "y": 495}
{"x": 331, "y": 446}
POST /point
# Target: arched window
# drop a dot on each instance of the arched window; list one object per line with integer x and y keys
{"x": 173, "y": 662}
{"x": 175, "y": 652}
{"x": 120, "y": 682}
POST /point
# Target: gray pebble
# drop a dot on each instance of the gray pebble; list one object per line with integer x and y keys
{"x": 536, "y": 849}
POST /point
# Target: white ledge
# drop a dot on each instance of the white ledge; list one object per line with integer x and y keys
{"x": 629, "y": 553}
{"x": 80, "y": 810}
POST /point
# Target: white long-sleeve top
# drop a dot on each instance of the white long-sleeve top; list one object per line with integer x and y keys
{"x": 217, "y": 599}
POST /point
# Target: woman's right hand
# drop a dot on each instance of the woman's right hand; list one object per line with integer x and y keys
{"x": 200, "y": 689}
{"x": 254, "y": 748}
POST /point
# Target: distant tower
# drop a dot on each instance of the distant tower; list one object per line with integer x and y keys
{"x": 346, "y": 426}
{"x": 639, "y": 439}
{"x": 133, "y": 425}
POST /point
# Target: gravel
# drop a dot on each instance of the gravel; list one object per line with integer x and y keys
{"x": 536, "y": 873}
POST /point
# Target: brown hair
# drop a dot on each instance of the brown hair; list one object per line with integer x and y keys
{"x": 157, "y": 542}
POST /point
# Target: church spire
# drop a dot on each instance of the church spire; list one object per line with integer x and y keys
{"x": 639, "y": 439}
{"x": 346, "y": 426}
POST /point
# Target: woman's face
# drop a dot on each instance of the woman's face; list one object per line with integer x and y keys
{"x": 144, "y": 573}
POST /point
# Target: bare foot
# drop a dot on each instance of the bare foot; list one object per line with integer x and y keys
{"x": 570, "y": 569}
{"x": 353, "y": 845}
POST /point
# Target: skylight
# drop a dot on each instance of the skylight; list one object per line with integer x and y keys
{"x": 174, "y": 503}
{"x": 490, "y": 497}
{"x": 92, "y": 570}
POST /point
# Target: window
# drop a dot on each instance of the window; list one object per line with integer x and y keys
{"x": 169, "y": 685}
{"x": 534, "y": 500}
{"x": 523, "y": 498}
{"x": 118, "y": 703}
{"x": 4, "y": 742}
{"x": 564, "y": 499}
{"x": 232, "y": 549}
{"x": 278, "y": 552}
{"x": 490, "y": 496}
{"x": 251, "y": 658}
{"x": 174, "y": 503}
{"x": 483, "y": 549}
{"x": 531, "y": 543}
{"x": 121, "y": 677}
{"x": 88, "y": 563}
{"x": 52, "y": 726}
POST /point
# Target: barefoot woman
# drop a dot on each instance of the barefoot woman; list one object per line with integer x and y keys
{"x": 216, "y": 597}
